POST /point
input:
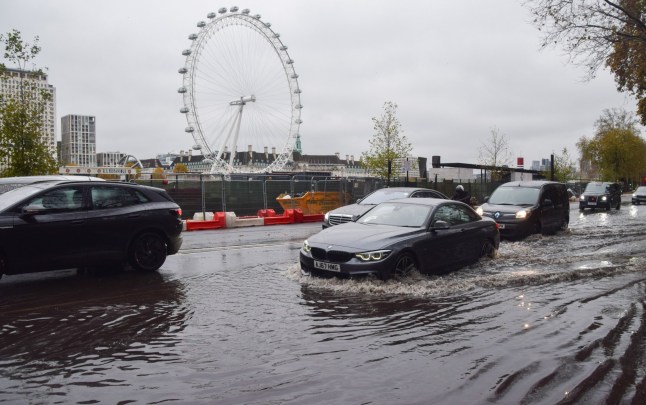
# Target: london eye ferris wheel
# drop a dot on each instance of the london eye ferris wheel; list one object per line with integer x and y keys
{"x": 240, "y": 93}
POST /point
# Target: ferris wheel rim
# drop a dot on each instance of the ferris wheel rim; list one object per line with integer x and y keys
{"x": 191, "y": 108}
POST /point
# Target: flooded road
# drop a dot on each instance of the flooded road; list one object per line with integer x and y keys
{"x": 230, "y": 320}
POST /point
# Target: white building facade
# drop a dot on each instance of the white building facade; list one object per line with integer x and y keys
{"x": 11, "y": 83}
{"x": 109, "y": 159}
{"x": 78, "y": 140}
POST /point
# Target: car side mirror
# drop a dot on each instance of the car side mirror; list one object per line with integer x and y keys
{"x": 30, "y": 210}
{"x": 440, "y": 225}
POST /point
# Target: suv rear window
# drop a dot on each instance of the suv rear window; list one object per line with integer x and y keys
{"x": 115, "y": 197}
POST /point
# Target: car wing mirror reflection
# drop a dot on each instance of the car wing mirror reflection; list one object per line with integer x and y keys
{"x": 440, "y": 225}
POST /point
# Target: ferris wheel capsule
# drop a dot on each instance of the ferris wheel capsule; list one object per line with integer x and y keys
{"x": 181, "y": 90}
{"x": 211, "y": 15}
{"x": 192, "y": 37}
{"x": 222, "y": 10}
{"x": 184, "y": 110}
{"x": 197, "y": 147}
{"x": 182, "y": 70}
{"x": 186, "y": 52}
{"x": 246, "y": 11}
{"x": 234, "y": 9}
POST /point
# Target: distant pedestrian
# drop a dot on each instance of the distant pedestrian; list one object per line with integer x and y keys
{"x": 461, "y": 195}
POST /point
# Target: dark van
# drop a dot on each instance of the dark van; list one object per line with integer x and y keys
{"x": 524, "y": 207}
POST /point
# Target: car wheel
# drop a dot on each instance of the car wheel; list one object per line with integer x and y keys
{"x": 488, "y": 249}
{"x": 404, "y": 265}
{"x": 564, "y": 224}
{"x": 148, "y": 252}
{"x": 618, "y": 205}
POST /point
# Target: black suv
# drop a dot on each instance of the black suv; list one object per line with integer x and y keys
{"x": 53, "y": 225}
{"x": 601, "y": 195}
{"x": 525, "y": 207}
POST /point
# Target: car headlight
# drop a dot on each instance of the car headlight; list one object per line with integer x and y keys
{"x": 480, "y": 211}
{"x": 306, "y": 246}
{"x": 326, "y": 217}
{"x": 582, "y": 197}
{"x": 522, "y": 214}
{"x": 604, "y": 198}
{"x": 374, "y": 256}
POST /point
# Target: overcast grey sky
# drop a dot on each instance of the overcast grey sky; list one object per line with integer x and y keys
{"x": 456, "y": 69}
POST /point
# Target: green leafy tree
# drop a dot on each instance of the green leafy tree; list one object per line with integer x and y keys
{"x": 597, "y": 34}
{"x": 495, "y": 152}
{"x": 616, "y": 152}
{"x": 23, "y": 144}
{"x": 388, "y": 147}
{"x": 564, "y": 167}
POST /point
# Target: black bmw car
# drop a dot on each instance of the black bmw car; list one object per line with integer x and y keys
{"x": 54, "y": 225}
{"x": 395, "y": 237}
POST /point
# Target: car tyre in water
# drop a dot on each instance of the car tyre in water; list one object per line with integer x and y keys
{"x": 488, "y": 250}
{"x": 618, "y": 205}
{"x": 404, "y": 265}
{"x": 564, "y": 224}
{"x": 148, "y": 251}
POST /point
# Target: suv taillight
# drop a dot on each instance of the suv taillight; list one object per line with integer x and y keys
{"x": 176, "y": 212}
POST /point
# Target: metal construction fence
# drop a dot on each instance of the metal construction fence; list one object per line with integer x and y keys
{"x": 206, "y": 193}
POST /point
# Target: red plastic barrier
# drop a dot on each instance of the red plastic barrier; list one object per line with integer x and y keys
{"x": 219, "y": 221}
{"x": 299, "y": 217}
{"x": 266, "y": 213}
{"x": 286, "y": 218}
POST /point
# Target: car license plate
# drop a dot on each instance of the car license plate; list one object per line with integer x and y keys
{"x": 501, "y": 226}
{"x": 327, "y": 266}
{"x": 592, "y": 203}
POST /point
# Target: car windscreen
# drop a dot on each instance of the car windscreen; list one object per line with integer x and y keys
{"x": 596, "y": 188}
{"x": 397, "y": 214}
{"x": 384, "y": 194}
{"x": 514, "y": 196}
{"x": 641, "y": 190}
{"x": 11, "y": 197}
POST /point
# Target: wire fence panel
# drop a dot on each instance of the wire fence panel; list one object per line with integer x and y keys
{"x": 201, "y": 194}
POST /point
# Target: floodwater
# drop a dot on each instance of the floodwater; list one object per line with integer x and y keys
{"x": 230, "y": 320}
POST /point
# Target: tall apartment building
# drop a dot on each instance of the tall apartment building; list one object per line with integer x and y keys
{"x": 78, "y": 140}
{"x": 109, "y": 159}
{"x": 10, "y": 84}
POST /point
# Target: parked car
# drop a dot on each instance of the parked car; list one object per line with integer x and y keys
{"x": 9, "y": 183}
{"x": 522, "y": 208}
{"x": 349, "y": 213}
{"x": 398, "y": 236}
{"x": 639, "y": 196}
{"x": 600, "y": 195}
{"x": 61, "y": 224}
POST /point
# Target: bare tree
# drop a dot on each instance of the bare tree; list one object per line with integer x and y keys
{"x": 599, "y": 33}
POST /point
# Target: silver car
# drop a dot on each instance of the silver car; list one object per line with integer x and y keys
{"x": 350, "y": 213}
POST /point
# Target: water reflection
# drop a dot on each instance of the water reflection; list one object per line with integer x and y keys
{"x": 77, "y": 327}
